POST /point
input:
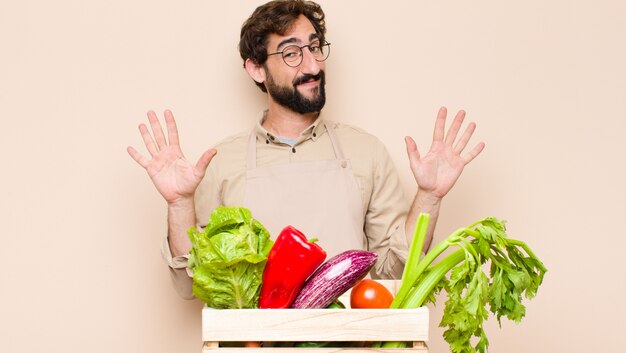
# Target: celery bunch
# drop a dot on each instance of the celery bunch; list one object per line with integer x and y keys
{"x": 514, "y": 271}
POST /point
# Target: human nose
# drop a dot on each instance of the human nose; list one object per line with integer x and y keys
{"x": 309, "y": 65}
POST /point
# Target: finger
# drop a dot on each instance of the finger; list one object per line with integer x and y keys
{"x": 440, "y": 124}
{"x": 205, "y": 159}
{"x": 172, "y": 130}
{"x": 156, "y": 130}
{"x": 147, "y": 140}
{"x": 455, "y": 127}
{"x": 469, "y": 131}
{"x": 473, "y": 153}
{"x": 138, "y": 157}
{"x": 411, "y": 147}
{"x": 411, "y": 150}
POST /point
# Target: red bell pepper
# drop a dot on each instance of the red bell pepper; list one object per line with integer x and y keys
{"x": 290, "y": 262}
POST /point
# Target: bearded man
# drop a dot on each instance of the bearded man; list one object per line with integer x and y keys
{"x": 296, "y": 166}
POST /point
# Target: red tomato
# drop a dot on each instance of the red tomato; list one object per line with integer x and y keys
{"x": 369, "y": 294}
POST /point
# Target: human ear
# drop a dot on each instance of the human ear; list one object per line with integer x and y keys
{"x": 256, "y": 71}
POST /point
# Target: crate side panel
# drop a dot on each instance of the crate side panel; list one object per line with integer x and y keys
{"x": 315, "y": 325}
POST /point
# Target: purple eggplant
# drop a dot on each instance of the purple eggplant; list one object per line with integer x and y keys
{"x": 333, "y": 278}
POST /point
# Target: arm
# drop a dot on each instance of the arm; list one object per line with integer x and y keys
{"x": 422, "y": 203}
{"x": 438, "y": 170}
{"x": 174, "y": 177}
{"x": 181, "y": 215}
{"x": 385, "y": 217}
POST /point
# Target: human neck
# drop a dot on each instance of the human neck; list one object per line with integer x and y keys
{"x": 286, "y": 123}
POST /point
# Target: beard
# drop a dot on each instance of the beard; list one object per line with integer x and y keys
{"x": 291, "y": 98}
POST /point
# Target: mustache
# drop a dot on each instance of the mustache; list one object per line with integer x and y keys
{"x": 307, "y": 77}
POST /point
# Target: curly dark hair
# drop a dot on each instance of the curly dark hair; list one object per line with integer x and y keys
{"x": 275, "y": 17}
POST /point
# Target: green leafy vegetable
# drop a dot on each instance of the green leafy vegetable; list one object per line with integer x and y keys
{"x": 228, "y": 259}
{"x": 514, "y": 272}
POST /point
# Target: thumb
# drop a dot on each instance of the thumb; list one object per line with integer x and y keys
{"x": 205, "y": 159}
{"x": 411, "y": 150}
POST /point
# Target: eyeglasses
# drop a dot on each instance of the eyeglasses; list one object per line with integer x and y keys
{"x": 292, "y": 54}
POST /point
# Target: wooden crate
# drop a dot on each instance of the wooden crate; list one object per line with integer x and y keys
{"x": 337, "y": 325}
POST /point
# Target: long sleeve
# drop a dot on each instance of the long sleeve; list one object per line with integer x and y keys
{"x": 180, "y": 275}
{"x": 385, "y": 218}
{"x": 206, "y": 199}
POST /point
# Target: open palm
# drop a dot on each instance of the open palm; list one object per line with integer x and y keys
{"x": 438, "y": 170}
{"x": 172, "y": 174}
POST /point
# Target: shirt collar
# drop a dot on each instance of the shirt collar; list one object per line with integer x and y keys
{"x": 314, "y": 131}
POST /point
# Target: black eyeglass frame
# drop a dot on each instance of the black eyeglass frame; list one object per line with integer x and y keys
{"x": 320, "y": 46}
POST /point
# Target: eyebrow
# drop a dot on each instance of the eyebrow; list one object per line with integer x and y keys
{"x": 291, "y": 40}
{"x": 286, "y": 41}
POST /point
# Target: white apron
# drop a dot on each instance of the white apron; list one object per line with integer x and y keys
{"x": 320, "y": 198}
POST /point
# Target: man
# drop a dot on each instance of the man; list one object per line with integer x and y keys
{"x": 332, "y": 181}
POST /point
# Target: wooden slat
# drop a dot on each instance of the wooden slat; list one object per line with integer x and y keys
{"x": 284, "y": 325}
{"x": 315, "y": 325}
{"x": 420, "y": 349}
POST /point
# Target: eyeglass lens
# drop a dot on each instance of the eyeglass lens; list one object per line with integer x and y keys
{"x": 292, "y": 55}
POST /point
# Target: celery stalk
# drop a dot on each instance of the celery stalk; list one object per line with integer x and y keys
{"x": 410, "y": 281}
{"x": 430, "y": 281}
{"x": 515, "y": 272}
{"x": 409, "y": 274}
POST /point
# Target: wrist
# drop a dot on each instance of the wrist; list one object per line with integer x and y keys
{"x": 181, "y": 203}
{"x": 180, "y": 217}
{"x": 428, "y": 198}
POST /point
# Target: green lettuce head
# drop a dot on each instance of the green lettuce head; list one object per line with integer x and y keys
{"x": 228, "y": 259}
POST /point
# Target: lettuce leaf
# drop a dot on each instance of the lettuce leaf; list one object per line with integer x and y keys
{"x": 228, "y": 259}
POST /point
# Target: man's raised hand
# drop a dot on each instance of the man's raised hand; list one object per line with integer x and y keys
{"x": 173, "y": 175}
{"x": 438, "y": 170}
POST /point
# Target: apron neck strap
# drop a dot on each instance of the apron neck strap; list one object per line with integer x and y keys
{"x": 251, "y": 156}
{"x": 334, "y": 141}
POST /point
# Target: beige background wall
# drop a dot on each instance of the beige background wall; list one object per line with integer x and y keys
{"x": 81, "y": 223}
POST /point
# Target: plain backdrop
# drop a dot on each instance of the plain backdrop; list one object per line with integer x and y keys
{"x": 82, "y": 225}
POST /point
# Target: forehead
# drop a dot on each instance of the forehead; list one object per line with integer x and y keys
{"x": 300, "y": 32}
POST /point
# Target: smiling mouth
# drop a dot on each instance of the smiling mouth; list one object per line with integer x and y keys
{"x": 308, "y": 83}
{"x": 306, "y": 79}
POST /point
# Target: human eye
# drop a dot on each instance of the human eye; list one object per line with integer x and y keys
{"x": 291, "y": 52}
{"x": 315, "y": 45}
{"x": 315, "y": 48}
